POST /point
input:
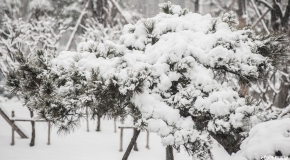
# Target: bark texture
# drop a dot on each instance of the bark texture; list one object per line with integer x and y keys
{"x": 131, "y": 144}
{"x": 32, "y": 142}
{"x": 99, "y": 124}
{"x": 169, "y": 153}
{"x": 241, "y": 12}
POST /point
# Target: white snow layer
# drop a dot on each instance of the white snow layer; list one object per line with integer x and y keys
{"x": 267, "y": 138}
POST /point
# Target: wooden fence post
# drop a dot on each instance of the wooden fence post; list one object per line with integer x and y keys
{"x": 9, "y": 121}
{"x": 147, "y": 143}
{"x": 135, "y": 145}
{"x": 12, "y": 141}
{"x": 12, "y": 114}
{"x": 121, "y": 140}
{"x": 48, "y": 139}
{"x": 115, "y": 125}
{"x": 87, "y": 114}
{"x": 13, "y": 128}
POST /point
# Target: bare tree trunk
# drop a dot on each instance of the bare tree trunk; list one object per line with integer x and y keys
{"x": 69, "y": 43}
{"x": 181, "y": 3}
{"x": 49, "y": 131}
{"x": 147, "y": 140}
{"x": 259, "y": 16}
{"x": 283, "y": 94}
{"x": 144, "y": 8}
{"x": 242, "y": 11}
{"x": 244, "y": 89}
{"x": 135, "y": 145}
{"x": 169, "y": 153}
{"x": 100, "y": 11}
{"x": 285, "y": 19}
{"x": 196, "y": 6}
{"x": 115, "y": 125}
{"x": 132, "y": 143}
{"x": 87, "y": 119}
{"x": 119, "y": 9}
{"x": 99, "y": 123}
{"x": 32, "y": 142}
{"x": 24, "y": 10}
{"x": 121, "y": 139}
{"x": 276, "y": 14}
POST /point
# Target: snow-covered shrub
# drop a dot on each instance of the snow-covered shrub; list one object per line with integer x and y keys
{"x": 270, "y": 138}
{"x": 20, "y": 37}
{"x": 23, "y": 59}
{"x": 22, "y": 56}
{"x": 187, "y": 52}
{"x": 177, "y": 73}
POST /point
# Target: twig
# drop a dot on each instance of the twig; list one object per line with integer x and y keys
{"x": 259, "y": 15}
{"x": 264, "y": 14}
{"x": 120, "y": 11}
{"x": 68, "y": 46}
{"x": 266, "y": 4}
{"x": 230, "y": 7}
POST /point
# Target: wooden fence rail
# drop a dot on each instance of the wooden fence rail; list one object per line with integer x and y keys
{"x": 11, "y": 123}
{"x": 135, "y": 146}
{"x": 14, "y": 127}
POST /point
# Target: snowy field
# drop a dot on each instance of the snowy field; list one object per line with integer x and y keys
{"x": 104, "y": 145}
{"x": 80, "y": 145}
{"x": 83, "y": 145}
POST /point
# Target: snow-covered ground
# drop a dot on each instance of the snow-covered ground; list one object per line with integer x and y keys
{"x": 79, "y": 145}
{"x": 104, "y": 145}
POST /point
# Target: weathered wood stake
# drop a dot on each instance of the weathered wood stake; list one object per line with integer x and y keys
{"x": 121, "y": 140}
{"x": 147, "y": 140}
{"x": 131, "y": 144}
{"x": 22, "y": 135}
{"x": 32, "y": 142}
{"x": 135, "y": 145}
{"x": 48, "y": 139}
{"x": 12, "y": 114}
{"x": 13, "y": 128}
{"x": 115, "y": 125}
{"x": 12, "y": 141}
{"x": 9, "y": 121}
{"x": 87, "y": 118}
{"x": 99, "y": 123}
{"x": 169, "y": 153}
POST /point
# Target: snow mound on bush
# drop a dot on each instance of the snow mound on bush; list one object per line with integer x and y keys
{"x": 173, "y": 48}
{"x": 266, "y": 139}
